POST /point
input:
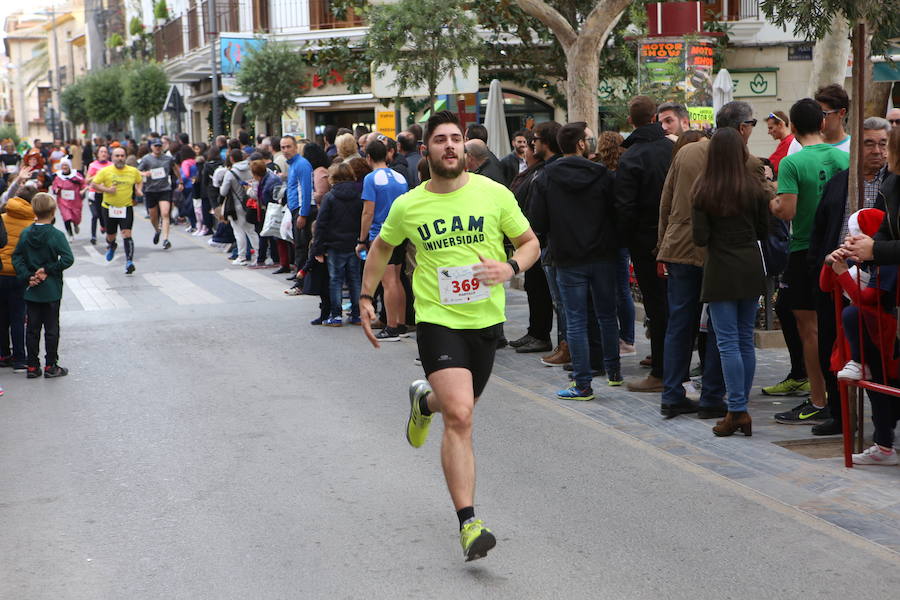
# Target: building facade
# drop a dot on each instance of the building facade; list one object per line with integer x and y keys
{"x": 45, "y": 52}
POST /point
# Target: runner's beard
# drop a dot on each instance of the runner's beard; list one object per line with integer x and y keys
{"x": 438, "y": 168}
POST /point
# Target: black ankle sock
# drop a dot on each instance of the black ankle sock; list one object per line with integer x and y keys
{"x": 129, "y": 248}
{"x": 464, "y": 514}
{"x": 423, "y": 405}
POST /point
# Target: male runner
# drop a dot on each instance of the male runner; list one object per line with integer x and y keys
{"x": 162, "y": 175}
{"x": 457, "y": 221}
{"x": 119, "y": 184}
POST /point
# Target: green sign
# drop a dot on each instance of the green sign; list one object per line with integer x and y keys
{"x": 755, "y": 84}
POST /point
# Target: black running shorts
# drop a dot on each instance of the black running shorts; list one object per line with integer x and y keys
{"x": 801, "y": 282}
{"x": 398, "y": 255}
{"x": 152, "y": 199}
{"x": 444, "y": 348}
{"x": 113, "y": 225}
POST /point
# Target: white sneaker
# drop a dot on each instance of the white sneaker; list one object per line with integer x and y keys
{"x": 626, "y": 349}
{"x": 853, "y": 371}
{"x": 874, "y": 456}
{"x": 240, "y": 261}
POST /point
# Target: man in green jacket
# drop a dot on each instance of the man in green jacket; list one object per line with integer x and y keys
{"x": 40, "y": 258}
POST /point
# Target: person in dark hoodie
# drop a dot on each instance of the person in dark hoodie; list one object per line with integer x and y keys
{"x": 337, "y": 228}
{"x": 580, "y": 223}
{"x": 40, "y": 258}
{"x": 639, "y": 183}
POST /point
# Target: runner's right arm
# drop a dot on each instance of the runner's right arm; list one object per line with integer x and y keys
{"x": 376, "y": 261}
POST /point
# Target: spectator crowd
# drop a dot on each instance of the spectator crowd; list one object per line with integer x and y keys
{"x": 686, "y": 222}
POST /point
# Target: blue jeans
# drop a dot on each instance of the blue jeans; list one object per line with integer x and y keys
{"x": 624, "y": 299}
{"x": 12, "y": 319}
{"x": 596, "y": 280}
{"x": 734, "y": 322}
{"x": 683, "y": 292}
{"x": 343, "y": 266}
{"x": 550, "y": 272}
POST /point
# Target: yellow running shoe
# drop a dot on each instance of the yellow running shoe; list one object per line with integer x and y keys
{"x": 418, "y": 424}
{"x": 476, "y": 539}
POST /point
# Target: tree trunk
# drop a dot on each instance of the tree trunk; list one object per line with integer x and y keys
{"x": 830, "y": 56}
{"x": 582, "y": 50}
{"x": 583, "y": 69}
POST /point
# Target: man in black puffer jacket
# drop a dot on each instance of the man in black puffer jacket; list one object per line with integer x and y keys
{"x": 639, "y": 183}
{"x": 581, "y": 228}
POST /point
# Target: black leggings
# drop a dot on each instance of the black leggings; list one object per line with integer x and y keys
{"x": 96, "y": 213}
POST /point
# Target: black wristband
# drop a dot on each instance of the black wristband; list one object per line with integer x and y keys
{"x": 367, "y": 297}
{"x": 363, "y": 242}
{"x": 515, "y": 266}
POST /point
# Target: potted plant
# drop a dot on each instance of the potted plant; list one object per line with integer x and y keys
{"x": 160, "y": 12}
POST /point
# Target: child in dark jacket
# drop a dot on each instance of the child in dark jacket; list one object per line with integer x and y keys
{"x": 337, "y": 228}
{"x": 40, "y": 258}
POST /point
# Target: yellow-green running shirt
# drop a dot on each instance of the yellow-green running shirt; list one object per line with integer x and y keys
{"x": 449, "y": 232}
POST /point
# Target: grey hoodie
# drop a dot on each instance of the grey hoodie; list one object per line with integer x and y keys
{"x": 229, "y": 184}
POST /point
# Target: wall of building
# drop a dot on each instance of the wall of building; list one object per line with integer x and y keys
{"x": 792, "y": 79}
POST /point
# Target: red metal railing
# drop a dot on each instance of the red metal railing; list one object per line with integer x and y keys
{"x": 844, "y": 385}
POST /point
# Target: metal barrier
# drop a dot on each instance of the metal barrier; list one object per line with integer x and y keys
{"x": 845, "y": 385}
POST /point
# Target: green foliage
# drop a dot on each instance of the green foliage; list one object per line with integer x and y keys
{"x": 272, "y": 76}
{"x": 8, "y": 132}
{"x": 422, "y": 40}
{"x": 812, "y": 18}
{"x": 73, "y": 101}
{"x": 115, "y": 41}
{"x": 135, "y": 27}
{"x": 104, "y": 95}
{"x": 537, "y": 61}
{"x": 146, "y": 86}
{"x": 160, "y": 10}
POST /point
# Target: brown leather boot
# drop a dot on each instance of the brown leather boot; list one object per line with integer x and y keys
{"x": 648, "y": 384}
{"x": 732, "y": 422}
{"x": 560, "y": 357}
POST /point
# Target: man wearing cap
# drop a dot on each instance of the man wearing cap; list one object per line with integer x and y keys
{"x": 161, "y": 174}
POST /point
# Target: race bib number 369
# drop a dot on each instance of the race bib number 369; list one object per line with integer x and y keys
{"x": 458, "y": 285}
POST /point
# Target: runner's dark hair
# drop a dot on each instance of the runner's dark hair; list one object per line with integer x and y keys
{"x": 445, "y": 116}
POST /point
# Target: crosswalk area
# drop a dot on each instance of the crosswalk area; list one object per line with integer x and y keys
{"x": 115, "y": 291}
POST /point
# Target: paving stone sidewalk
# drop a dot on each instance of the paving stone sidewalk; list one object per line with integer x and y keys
{"x": 863, "y": 500}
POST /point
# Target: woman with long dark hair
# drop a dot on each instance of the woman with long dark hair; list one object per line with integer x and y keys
{"x": 730, "y": 216}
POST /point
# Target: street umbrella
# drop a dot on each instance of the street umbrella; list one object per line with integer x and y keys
{"x": 495, "y": 121}
{"x": 723, "y": 91}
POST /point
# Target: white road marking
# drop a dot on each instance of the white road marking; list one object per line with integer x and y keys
{"x": 180, "y": 289}
{"x": 100, "y": 259}
{"x": 93, "y": 293}
{"x": 255, "y": 282}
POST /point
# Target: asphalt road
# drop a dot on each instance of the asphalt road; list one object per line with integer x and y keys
{"x": 209, "y": 443}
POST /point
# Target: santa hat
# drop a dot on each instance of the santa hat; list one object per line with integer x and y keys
{"x": 865, "y": 222}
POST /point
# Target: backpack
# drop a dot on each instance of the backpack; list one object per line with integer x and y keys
{"x": 239, "y": 194}
{"x": 776, "y": 246}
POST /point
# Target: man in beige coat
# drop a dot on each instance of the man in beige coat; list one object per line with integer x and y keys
{"x": 684, "y": 262}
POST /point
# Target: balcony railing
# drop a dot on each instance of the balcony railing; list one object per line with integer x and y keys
{"x": 731, "y": 10}
{"x": 257, "y": 16}
{"x": 168, "y": 40}
{"x": 193, "y": 27}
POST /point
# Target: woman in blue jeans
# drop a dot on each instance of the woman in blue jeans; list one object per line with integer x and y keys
{"x": 730, "y": 216}
{"x": 334, "y": 240}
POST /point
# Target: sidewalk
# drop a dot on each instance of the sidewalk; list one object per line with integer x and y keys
{"x": 863, "y": 500}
